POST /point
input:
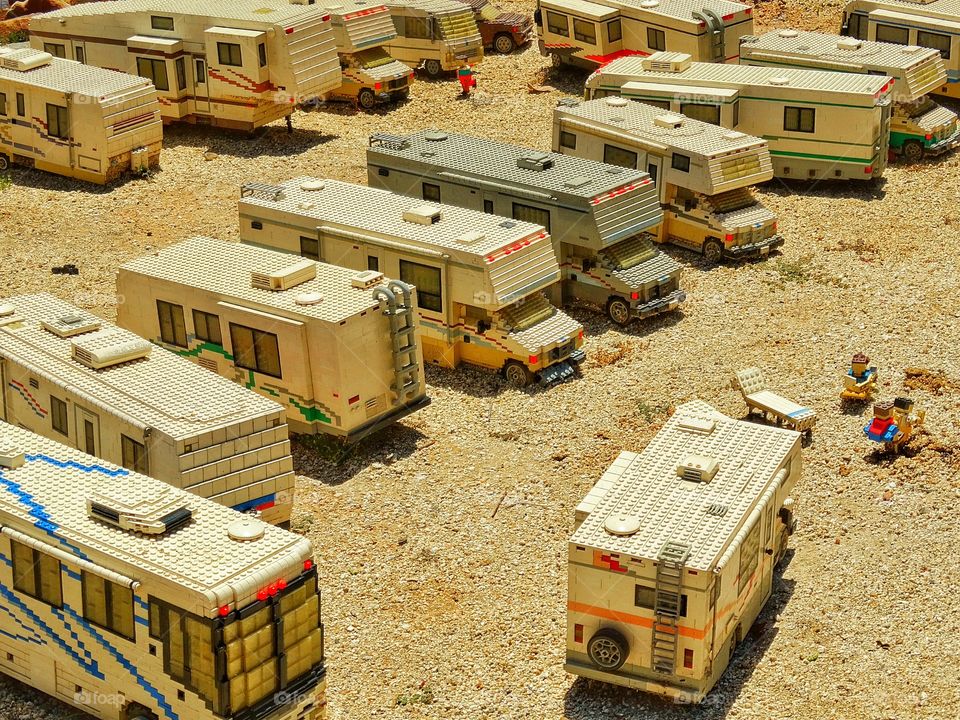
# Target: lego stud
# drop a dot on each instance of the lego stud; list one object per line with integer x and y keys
{"x": 621, "y": 524}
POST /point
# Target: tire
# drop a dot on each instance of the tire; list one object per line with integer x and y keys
{"x": 432, "y": 67}
{"x": 608, "y": 649}
{"x": 4, "y": 163}
{"x": 913, "y": 151}
{"x": 366, "y": 99}
{"x": 713, "y": 251}
{"x": 618, "y": 310}
{"x": 556, "y": 62}
{"x": 517, "y": 374}
{"x": 504, "y": 44}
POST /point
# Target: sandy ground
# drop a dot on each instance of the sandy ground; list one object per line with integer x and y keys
{"x": 434, "y": 608}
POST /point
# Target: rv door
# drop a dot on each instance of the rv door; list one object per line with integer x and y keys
{"x": 201, "y": 88}
{"x": 88, "y": 431}
{"x": 654, "y": 168}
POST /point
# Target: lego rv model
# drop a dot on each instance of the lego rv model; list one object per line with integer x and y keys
{"x": 479, "y": 277}
{"x": 504, "y": 31}
{"x": 591, "y": 33}
{"x": 674, "y": 552}
{"x": 918, "y": 126}
{"x": 337, "y": 348}
{"x": 82, "y": 122}
{"x": 928, "y": 23}
{"x": 370, "y": 74}
{"x": 238, "y": 64}
{"x": 598, "y": 215}
{"x": 75, "y": 378}
{"x": 703, "y": 172}
{"x": 436, "y": 35}
{"x": 132, "y": 600}
{"x": 820, "y": 125}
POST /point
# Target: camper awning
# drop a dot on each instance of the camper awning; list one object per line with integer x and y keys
{"x": 168, "y": 46}
{"x": 692, "y": 93}
{"x": 582, "y": 8}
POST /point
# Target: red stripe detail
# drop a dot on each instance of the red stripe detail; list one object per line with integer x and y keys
{"x": 604, "y": 59}
{"x": 33, "y": 400}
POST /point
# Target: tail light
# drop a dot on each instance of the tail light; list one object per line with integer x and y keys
{"x": 533, "y": 359}
{"x": 868, "y": 170}
{"x": 580, "y": 335}
{"x": 578, "y": 633}
{"x": 634, "y": 296}
{"x": 289, "y": 31}
{"x": 928, "y": 137}
{"x": 729, "y": 237}
{"x": 377, "y": 86}
{"x": 325, "y": 18}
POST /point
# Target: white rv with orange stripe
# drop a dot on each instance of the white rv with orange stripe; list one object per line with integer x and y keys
{"x": 675, "y": 552}
{"x": 238, "y": 64}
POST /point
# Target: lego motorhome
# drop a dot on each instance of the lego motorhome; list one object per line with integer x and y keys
{"x": 674, "y": 552}
{"x": 702, "y": 171}
{"x": 82, "y": 122}
{"x": 599, "y": 216}
{"x": 479, "y": 277}
{"x": 337, "y": 348}
{"x": 819, "y": 124}
{"x": 436, "y": 35}
{"x": 928, "y": 23}
{"x": 132, "y": 600}
{"x": 591, "y": 33}
{"x": 238, "y": 64}
{"x": 80, "y": 380}
{"x": 918, "y": 126}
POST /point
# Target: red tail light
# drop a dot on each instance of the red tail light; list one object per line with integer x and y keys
{"x": 325, "y": 18}
{"x": 377, "y": 86}
{"x": 868, "y": 170}
{"x": 634, "y": 296}
{"x": 774, "y": 226}
{"x": 262, "y": 595}
{"x": 307, "y": 565}
{"x": 748, "y": 11}
{"x": 224, "y": 610}
{"x": 581, "y": 335}
{"x": 289, "y": 31}
{"x": 688, "y": 658}
{"x": 928, "y": 137}
{"x": 533, "y": 359}
{"x": 728, "y": 17}
{"x": 281, "y": 584}
{"x": 578, "y": 633}
{"x": 729, "y": 238}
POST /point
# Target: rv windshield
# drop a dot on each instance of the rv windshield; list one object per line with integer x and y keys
{"x": 525, "y": 313}
{"x": 732, "y": 200}
{"x": 457, "y": 25}
{"x": 372, "y": 57}
{"x": 918, "y": 107}
{"x": 628, "y": 253}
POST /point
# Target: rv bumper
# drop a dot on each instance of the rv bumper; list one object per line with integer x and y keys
{"x": 757, "y": 249}
{"x": 942, "y": 146}
{"x": 660, "y": 305}
{"x": 563, "y": 370}
{"x": 388, "y": 419}
{"x": 678, "y": 693}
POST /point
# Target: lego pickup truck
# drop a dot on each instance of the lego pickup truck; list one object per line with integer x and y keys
{"x": 501, "y": 30}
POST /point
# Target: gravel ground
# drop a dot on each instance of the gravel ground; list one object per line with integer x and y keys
{"x": 437, "y": 608}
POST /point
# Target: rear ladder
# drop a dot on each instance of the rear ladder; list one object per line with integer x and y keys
{"x": 670, "y": 561}
{"x": 396, "y": 303}
{"x": 715, "y": 29}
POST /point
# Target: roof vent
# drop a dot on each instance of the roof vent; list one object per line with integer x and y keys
{"x": 24, "y": 59}
{"x": 8, "y": 315}
{"x": 780, "y": 80}
{"x": 576, "y": 182}
{"x": 698, "y": 468}
{"x": 615, "y": 101}
{"x": 435, "y": 136}
{"x": 286, "y": 277}
{"x": 568, "y": 102}
{"x": 716, "y": 509}
{"x": 621, "y": 524}
{"x": 423, "y": 214}
{"x": 471, "y": 237}
{"x": 245, "y": 530}
{"x": 7, "y": 309}
{"x": 508, "y": 224}
{"x": 671, "y": 62}
{"x": 787, "y": 33}
{"x": 672, "y": 122}
{"x": 911, "y": 49}
{"x": 734, "y": 135}
{"x": 264, "y": 191}
{"x": 650, "y": 3}
{"x": 310, "y": 298}
{"x": 152, "y": 514}
{"x": 106, "y": 349}
{"x": 849, "y": 43}
{"x": 696, "y": 425}
{"x": 11, "y": 458}
{"x": 311, "y": 185}
{"x": 366, "y": 279}
{"x": 535, "y": 161}
{"x": 70, "y": 325}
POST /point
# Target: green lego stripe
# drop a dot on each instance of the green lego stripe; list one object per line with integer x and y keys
{"x": 834, "y": 158}
{"x": 897, "y": 139}
{"x": 209, "y": 347}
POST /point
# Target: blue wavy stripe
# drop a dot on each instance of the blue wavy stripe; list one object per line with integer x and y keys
{"x": 38, "y": 512}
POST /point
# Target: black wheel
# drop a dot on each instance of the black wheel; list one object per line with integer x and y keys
{"x": 608, "y": 649}
{"x": 713, "y": 250}
{"x": 913, "y": 151}
{"x": 516, "y": 374}
{"x": 432, "y": 67}
{"x": 504, "y": 44}
{"x": 366, "y": 99}
{"x": 4, "y": 163}
{"x": 556, "y": 61}
{"x": 618, "y": 310}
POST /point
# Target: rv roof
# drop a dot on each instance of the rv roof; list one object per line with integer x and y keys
{"x": 224, "y": 268}
{"x": 496, "y": 160}
{"x": 55, "y": 481}
{"x": 646, "y": 486}
{"x": 162, "y": 390}
{"x": 264, "y": 11}
{"x": 436, "y": 6}
{"x": 358, "y": 207}
{"x": 638, "y": 119}
{"x": 747, "y": 75}
{"x": 824, "y": 46}
{"x": 683, "y": 9}
{"x": 68, "y": 76}
{"x": 924, "y": 10}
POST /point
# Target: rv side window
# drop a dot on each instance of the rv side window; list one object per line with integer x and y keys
{"x": 78, "y": 55}
{"x": 187, "y": 648}
{"x": 262, "y": 53}
{"x": 173, "y": 330}
{"x": 856, "y": 26}
{"x": 528, "y": 213}
{"x": 646, "y": 597}
{"x": 3, "y": 104}
{"x": 55, "y": 49}
{"x": 704, "y": 113}
{"x": 427, "y": 280}
{"x": 58, "y": 415}
{"x": 21, "y": 105}
{"x": 736, "y": 113}
{"x": 158, "y": 22}
{"x": 206, "y": 327}
{"x": 431, "y": 192}
{"x": 613, "y": 155}
{"x": 373, "y": 263}
{"x": 107, "y": 604}
{"x": 155, "y": 71}
{"x": 584, "y": 31}
{"x": 557, "y": 24}
{"x": 309, "y": 247}
{"x": 797, "y": 119}
{"x": 416, "y": 27}
{"x": 680, "y": 162}
{"x": 200, "y": 71}
{"x": 656, "y": 39}
{"x": 229, "y": 54}
{"x": 614, "y": 31}
{"x": 568, "y": 140}
{"x": 181, "y": 69}
{"x": 255, "y": 350}
{"x": 133, "y": 454}
{"x": 57, "y": 124}
{"x": 488, "y": 207}
{"x": 893, "y": 34}
{"x": 749, "y": 556}
{"x": 37, "y": 574}
{"x": 652, "y": 172}
{"x": 936, "y": 41}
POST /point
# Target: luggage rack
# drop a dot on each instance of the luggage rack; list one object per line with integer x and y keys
{"x": 391, "y": 142}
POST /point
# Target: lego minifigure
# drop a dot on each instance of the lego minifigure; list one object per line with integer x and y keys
{"x": 860, "y": 381}
{"x": 466, "y": 78}
{"x": 894, "y": 422}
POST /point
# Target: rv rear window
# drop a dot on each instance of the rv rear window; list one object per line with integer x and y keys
{"x": 584, "y": 31}
{"x": 255, "y": 350}
{"x": 680, "y": 162}
{"x": 935, "y": 41}
{"x": 614, "y": 31}
{"x": 428, "y": 282}
{"x": 893, "y": 34}
{"x": 58, "y": 125}
{"x": 173, "y": 330}
{"x": 55, "y": 49}
{"x": 568, "y": 139}
{"x": 58, "y": 415}
{"x": 229, "y": 54}
{"x": 656, "y": 39}
{"x": 36, "y": 574}
{"x": 557, "y": 24}
{"x": 613, "y": 155}
{"x": 645, "y": 596}
{"x": 158, "y": 22}
{"x": 155, "y": 71}
{"x": 133, "y": 454}
{"x": 798, "y": 119}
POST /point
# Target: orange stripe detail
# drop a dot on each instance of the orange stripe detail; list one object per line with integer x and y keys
{"x": 630, "y": 619}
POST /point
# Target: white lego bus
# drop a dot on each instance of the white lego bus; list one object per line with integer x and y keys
{"x": 129, "y": 599}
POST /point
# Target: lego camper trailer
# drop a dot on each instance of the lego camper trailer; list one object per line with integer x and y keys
{"x": 918, "y": 126}
{"x": 132, "y": 600}
{"x": 479, "y": 277}
{"x": 819, "y": 124}
{"x": 337, "y": 348}
{"x": 702, "y": 171}
{"x": 674, "y": 552}
{"x": 78, "y": 379}
{"x": 238, "y": 64}
{"x": 591, "y": 33}
{"x": 435, "y": 35}
{"x": 83, "y": 122}
{"x": 599, "y": 216}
